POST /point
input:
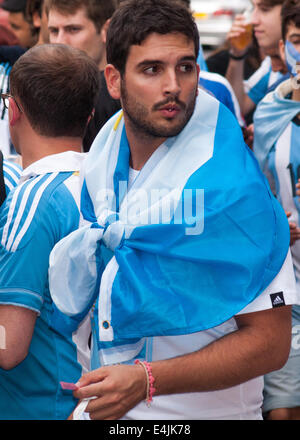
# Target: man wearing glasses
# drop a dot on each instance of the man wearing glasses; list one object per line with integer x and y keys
{"x": 52, "y": 96}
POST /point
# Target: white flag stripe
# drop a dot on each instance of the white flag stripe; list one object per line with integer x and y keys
{"x": 32, "y": 211}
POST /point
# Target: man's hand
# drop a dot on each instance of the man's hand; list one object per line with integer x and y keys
{"x": 248, "y": 133}
{"x": 237, "y": 32}
{"x": 294, "y": 230}
{"x": 118, "y": 389}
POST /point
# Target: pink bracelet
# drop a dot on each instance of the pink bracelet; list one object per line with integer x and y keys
{"x": 150, "y": 380}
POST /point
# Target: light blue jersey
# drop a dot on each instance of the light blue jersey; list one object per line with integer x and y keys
{"x": 258, "y": 85}
{"x": 221, "y": 89}
{"x": 36, "y": 215}
{"x": 284, "y": 166}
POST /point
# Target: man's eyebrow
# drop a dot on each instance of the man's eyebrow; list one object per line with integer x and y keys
{"x": 263, "y": 4}
{"x": 295, "y": 34}
{"x": 154, "y": 61}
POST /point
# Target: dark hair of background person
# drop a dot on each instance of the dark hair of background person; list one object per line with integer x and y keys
{"x": 33, "y": 6}
{"x": 272, "y": 3}
{"x": 98, "y": 11}
{"x": 56, "y": 80}
{"x": 290, "y": 14}
{"x": 131, "y": 25}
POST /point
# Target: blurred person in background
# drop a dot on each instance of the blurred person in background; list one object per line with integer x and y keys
{"x": 83, "y": 24}
{"x": 53, "y": 93}
{"x": 37, "y": 17}
{"x": 21, "y": 27}
{"x": 35, "y": 21}
{"x": 265, "y": 23}
{"x": 216, "y": 84}
{"x": 7, "y": 37}
{"x": 277, "y": 148}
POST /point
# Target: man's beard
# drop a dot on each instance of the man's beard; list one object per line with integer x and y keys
{"x": 140, "y": 119}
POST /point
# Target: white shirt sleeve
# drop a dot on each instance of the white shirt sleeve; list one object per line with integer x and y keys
{"x": 281, "y": 291}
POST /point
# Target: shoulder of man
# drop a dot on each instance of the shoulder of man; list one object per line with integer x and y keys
{"x": 41, "y": 203}
{"x": 11, "y": 173}
{"x": 10, "y": 54}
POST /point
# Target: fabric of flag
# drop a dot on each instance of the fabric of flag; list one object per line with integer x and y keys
{"x": 272, "y": 116}
{"x": 292, "y": 57}
{"x": 195, "y": 239}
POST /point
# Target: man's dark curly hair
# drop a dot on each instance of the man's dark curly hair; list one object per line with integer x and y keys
{"x": 135, "y": 20}
{"x": 290, "y": 14}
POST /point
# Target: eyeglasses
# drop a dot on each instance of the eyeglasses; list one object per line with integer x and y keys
{"x": 5, "y": 98}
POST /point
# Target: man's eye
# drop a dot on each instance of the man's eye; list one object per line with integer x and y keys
{"x": 186, "y": 68}
{"x": 151, "y": 70}
{"x": 265, "y": 9}
{"x": 73, "y": 30}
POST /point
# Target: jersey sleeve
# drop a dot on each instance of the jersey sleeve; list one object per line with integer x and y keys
{"x": 257, "y": 85}
{"x": 12, "y": 173}
{"x": 32, "y": 222}
{"x": 280, "y": 292}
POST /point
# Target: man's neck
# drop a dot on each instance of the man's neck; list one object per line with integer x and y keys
{"x": 141, "y": 146}
{"x": 43, "y": 147}
{"x": 102, "y": 63}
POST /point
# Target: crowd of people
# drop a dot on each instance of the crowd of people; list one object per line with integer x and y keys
{"x": 149, "y": 220}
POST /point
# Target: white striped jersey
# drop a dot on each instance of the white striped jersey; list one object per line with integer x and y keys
{"x": 223, "y": 92}
{"x": 259, "y": 83}
{"x": 284, "y": 166}
{"x": 39, "y": 212}
{"x": 12, "y": 173}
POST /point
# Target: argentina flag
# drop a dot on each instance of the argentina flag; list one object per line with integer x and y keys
{"x": 272, "y": 116}
{"x": 194, "y": 239}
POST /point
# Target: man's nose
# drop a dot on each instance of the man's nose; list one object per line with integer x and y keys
{"x": 61, "y": 38}
{"x": 171, "y": 83}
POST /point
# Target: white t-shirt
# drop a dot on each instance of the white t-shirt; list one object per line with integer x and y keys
{"x": 237, "y": 403}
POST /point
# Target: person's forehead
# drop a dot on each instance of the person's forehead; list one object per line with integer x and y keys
{"x": 260, "y": 3}
{"x": 63, "y": 18}
{"x": 156, "y": 43}
{"x": 17, "y": 21}
{"x": 16, "y": 17}
{"x": 292, "y": 30}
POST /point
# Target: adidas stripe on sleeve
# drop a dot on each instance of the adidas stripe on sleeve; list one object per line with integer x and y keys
{"x": 38, "y": 214}
{"x": 12, "y": 173}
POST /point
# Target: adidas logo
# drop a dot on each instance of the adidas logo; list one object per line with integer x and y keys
{"x": 277, "y": 299}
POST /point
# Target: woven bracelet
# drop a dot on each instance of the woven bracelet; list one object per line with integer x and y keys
{"x": 150, "y": 380}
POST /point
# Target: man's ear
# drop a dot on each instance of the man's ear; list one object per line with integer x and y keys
{"x": 36, "y": 19}
{"x": 198, "y": 76}
{"x": 14, "y": 113}
{"x": 113, "y": 81}
{"x": 104, "y": 30}
{"x": 282, "y": 50}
